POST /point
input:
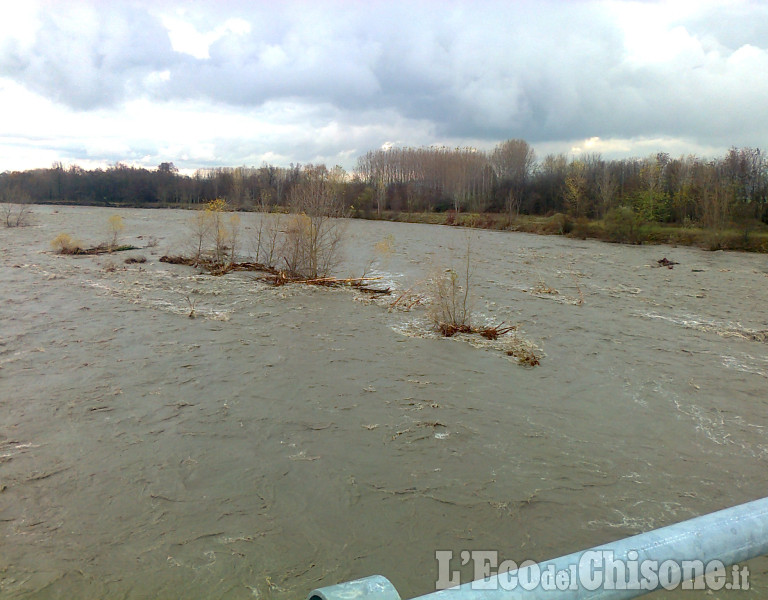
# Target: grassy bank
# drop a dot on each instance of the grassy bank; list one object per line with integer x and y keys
{"x": 619, "y": 227}
{"x": 751, "y": 238}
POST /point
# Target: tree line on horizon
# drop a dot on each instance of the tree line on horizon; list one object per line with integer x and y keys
{"x": 509, "y": 179}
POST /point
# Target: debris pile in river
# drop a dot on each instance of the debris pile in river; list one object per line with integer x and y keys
{"x": 276, "y": 277}
{"x": 665, "y": 262}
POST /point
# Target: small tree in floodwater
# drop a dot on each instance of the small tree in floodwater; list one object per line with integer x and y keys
{"x": 304, "y": 245}
{"x": 115, "y": 227}
{"x": 312, "y": 240}
{"x": 215, "y": 233}
{"x": 451, "y": 311}
{"x": 267, "y": 239}
{"x": 199, "y": 227}
{"x": 65, "y": 244}
{"x": 15, "y": 209}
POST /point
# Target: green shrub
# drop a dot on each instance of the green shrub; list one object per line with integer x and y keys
{"x": 559, "y": 223}
{"x": 581, "y": 228}
{"x": 623, "y": 225}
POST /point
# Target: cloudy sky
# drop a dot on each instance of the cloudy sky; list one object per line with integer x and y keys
{"x": 232, "y": 83}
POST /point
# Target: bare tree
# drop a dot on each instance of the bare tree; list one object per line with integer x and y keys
{"x": 15, "y": 208}
{"x": 214, "y": 233}
{"x": 716, "y": 198}
{"x": 266, "y": 241}
{"x": 451, "y": 308}
{"x": 199, "y": 228}
{"x": 606, "y": 188}
{"x": 513, "y": 163}
{"x": 428, "y": 174}
{"x": 551, "y": 175}
{"x": 313, "y": 237}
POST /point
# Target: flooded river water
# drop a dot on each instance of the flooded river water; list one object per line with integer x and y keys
{"x": 294, "y": 437}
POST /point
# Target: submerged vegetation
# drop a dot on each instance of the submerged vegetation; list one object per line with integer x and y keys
{"x": 304, "y": 248}
{"x": 450, "y": 311}
{"x": 64, "y": 243}
{"x": 303, "y": 245}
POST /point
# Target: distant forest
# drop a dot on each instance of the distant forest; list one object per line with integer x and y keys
{"x": 509, "y": 179}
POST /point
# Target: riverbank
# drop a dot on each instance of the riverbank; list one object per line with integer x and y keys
{"x": 622, "y": 227}
{"x": 747, "y": 238}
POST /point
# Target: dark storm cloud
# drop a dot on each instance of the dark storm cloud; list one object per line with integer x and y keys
{"x": 480, "y": 70}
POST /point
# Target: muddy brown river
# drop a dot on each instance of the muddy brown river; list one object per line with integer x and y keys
{"x": 294, "y": 437}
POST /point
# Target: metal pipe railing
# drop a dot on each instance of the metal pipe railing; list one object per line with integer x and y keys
{"x": 703, "y": 547}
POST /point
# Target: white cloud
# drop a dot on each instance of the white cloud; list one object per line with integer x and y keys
{"x": 20, "y": 23}
{"x": 185, "y": 37}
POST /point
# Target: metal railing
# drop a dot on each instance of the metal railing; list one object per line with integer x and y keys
{"x": 702, "y": 548}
